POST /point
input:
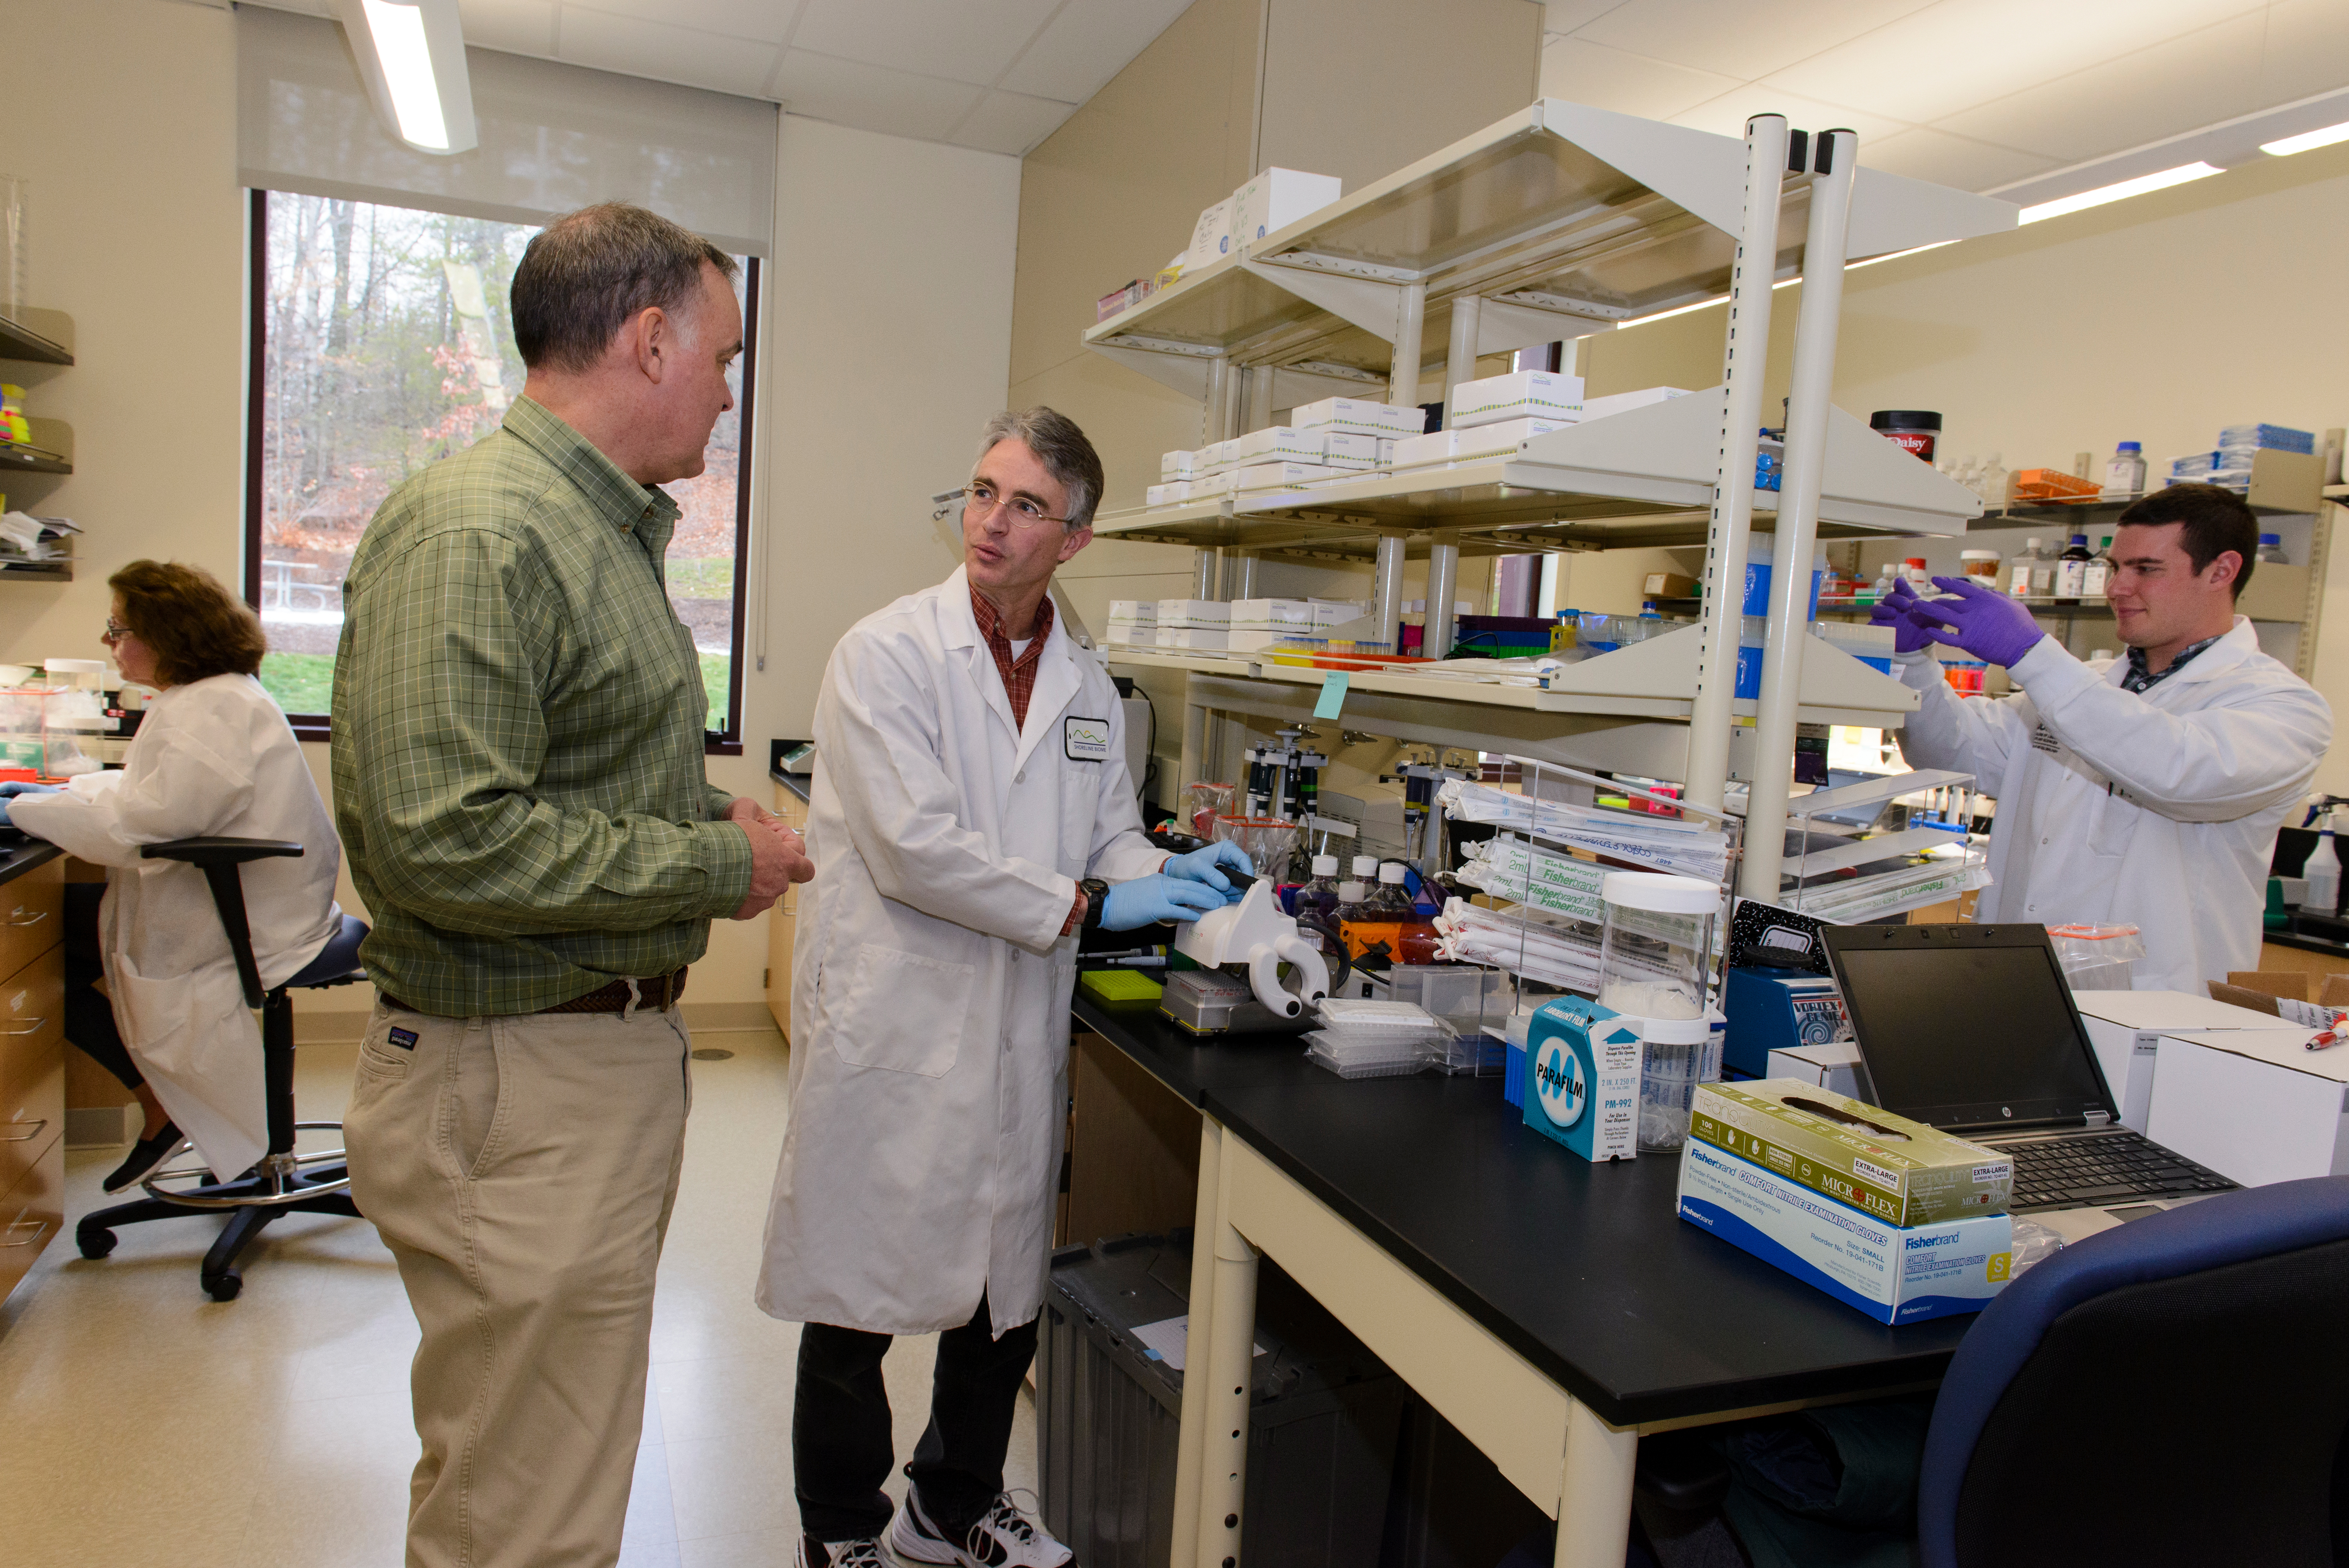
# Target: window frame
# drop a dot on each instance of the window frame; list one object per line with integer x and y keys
{"x": 318, "y": 727}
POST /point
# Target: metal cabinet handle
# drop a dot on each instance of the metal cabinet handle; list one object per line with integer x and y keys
{"x": 34, "y": 920}
{"x": 33, "y": 1130}
{"x": 37, "y": 1026}
{"x": 38, "y": 1226}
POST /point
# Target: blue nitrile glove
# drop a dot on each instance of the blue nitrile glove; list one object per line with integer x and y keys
{"x": 1893, "y": 610}
{"x": 25, "y": 787}
{"x": 1983, "y": 621}
{"x": 1199, "y": 866}
{"x": 1146, "y": 900}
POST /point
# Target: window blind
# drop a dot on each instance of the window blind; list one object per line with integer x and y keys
{"x": 553, "y": 136}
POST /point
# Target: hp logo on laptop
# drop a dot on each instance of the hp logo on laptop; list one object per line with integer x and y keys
{"x": 1559, "y": 1085}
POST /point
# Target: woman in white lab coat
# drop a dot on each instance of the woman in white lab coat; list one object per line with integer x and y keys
{"x": 214, "y": 757}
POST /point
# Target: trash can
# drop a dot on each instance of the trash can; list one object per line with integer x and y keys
{"x": 1323, "y": 1416}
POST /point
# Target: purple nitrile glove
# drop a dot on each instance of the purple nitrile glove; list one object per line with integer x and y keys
{"x": 1893, "y": 610}
{"x": 1980, "y": 621}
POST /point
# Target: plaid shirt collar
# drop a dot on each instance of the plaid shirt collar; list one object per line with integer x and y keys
{"x": 2139, "y": 678}
{"x": 1018, "y": 674}
{"x": 640, "y": 507}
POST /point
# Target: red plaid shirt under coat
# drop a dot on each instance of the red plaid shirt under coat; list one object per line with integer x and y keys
{"x": 1019, "y": 675}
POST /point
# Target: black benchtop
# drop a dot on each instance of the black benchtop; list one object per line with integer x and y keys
{"x": 18, "y": 856}
{"x": 1583, "y": 1270}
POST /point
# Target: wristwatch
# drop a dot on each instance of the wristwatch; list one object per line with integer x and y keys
{"x": 1095, "y": 891}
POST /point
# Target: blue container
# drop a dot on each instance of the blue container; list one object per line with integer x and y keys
{"x": 1758, "y": 549}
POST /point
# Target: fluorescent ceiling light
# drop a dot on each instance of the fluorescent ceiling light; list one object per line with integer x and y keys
{"x": 2307, "y": 140}
{"x": 411, "y": 56}
{"x": 2119, "y": 192}
{"x": 407, "y": 61}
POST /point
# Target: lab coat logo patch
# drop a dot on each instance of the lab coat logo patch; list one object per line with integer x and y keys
{"x": 1085, "y": 739}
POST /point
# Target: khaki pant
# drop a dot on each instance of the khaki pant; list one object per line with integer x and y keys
{"x": 522, "y": 1170}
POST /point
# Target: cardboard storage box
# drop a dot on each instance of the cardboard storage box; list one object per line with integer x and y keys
{"x": 1669, "y": 585}
{"x": 2254, "y": 1105}
{"x": 2126, "y": 1028}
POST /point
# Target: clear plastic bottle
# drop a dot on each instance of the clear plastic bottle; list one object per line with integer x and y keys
{"x": 1991, "y": 483}
{"x": 2323, "y": 870}
{"x": 1355, "y": 890}
{"x": 2124, "y": 475}
{"x": 2023, "y": 570}
{"x": 1919, "y": 574}
{"x": 2098, "y": 579}
{"x": 1320, "y": 894}
{"x": 2071, "y": 571}
{"x": 1882, "y": 588}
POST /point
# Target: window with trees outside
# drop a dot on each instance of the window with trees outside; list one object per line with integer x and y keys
{"x": 381, "y": 343}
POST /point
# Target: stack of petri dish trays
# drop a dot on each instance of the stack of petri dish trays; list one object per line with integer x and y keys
{"x": 1359, "y": 1039}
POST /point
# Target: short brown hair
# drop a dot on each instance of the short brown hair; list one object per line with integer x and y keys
{"x": 194, "y": 626}
{"x": 2214, "y": 521}
{"x": 585, "y": 274}
{"x": 1063, "y": 450}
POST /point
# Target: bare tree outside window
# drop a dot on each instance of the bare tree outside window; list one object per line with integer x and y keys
{"x": 385, "y": 346}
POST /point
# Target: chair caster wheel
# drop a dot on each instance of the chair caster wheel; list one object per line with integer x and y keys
{"x": 225, "y": 1288}
{"x": 95, "y": 1244}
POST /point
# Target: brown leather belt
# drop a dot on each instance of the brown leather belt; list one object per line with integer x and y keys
{"x": 659, "y": 992}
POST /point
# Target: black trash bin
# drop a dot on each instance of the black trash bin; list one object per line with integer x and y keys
{"x": 1324, "y": 1416}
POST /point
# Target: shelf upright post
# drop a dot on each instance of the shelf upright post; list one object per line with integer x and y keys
{"x": 1239, "y": 573}
{"x": 1746, "y": 356}
{"x": 1255, "y": 397}
{"x": 1836, "y": 153}
{"x": 1402, "y": 387}
{"x": 1443, "y": 554}
{"x": 1213, "y": 417}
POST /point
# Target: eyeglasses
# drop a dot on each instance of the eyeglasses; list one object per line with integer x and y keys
{"x": 115, "y": 632}
{"x": 981, "y": 500}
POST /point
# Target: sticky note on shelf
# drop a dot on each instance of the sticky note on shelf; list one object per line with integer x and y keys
{"x": 1334, "y": 696}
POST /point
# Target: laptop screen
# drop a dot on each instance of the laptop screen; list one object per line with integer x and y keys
{"x": 1967, "y": 1025}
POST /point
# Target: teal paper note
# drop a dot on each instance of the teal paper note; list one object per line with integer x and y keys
{"x": 1334, "y": 696}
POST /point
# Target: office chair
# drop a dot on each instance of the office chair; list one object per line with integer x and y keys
{"x": 282, "y": 1182}
{"x": 2172, "y": 1391}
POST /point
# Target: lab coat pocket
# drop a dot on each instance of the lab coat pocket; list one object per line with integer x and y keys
{"x": 901, "y": 1011}
{"x": 2115, "y": 825}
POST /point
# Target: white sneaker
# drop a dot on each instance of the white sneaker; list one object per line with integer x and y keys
{"x": 1006, "y": 1537}
{"x": 864, "y": 1553}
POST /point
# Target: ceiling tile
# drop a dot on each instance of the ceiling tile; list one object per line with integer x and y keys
{"x": 635, "y": 47}
{"x": 1737, "y": 38}
{"x": 1728, "y": 113}
{"x": 1567, "y": 15}
{"x": 2307, "y": 50}
{"x": 1960, "y": 52}
{"x": 2179, "y": 85}
{"x": 956, "y": 39}
{"x": 1607, "y": 79}
{"x": 1954, "y": 160}
{"x": 1087, "y": 44}
{"x": 767, "y": 21}
{"x": 871, "y": 97}
{"x": 517, "y": 27}
{"x": 1010, "y": 122}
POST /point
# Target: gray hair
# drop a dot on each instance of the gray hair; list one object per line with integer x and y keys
{"x": 587, "y": 273}
{"x": 1061, "y": 447}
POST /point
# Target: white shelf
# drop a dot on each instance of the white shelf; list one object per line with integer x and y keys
{"x": 1564, "y": 219}
{"x": 1641, "y": 477}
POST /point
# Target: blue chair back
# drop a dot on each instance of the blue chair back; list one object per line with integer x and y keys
{"x": 2172, "y": 1391}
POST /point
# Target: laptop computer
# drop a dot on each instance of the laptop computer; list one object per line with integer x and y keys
{"x": 1972, "y": 1030}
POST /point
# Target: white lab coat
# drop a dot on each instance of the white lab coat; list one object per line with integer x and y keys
{"x": 2157, "y": 809}
{"x": 213, "y": 759}
{"x": 930, "y": 981}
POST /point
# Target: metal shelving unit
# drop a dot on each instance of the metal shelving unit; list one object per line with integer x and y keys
{"x": 38, "y": 337}
{"x": 1560, "y": 221}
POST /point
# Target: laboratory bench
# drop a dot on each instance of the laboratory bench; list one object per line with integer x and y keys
{"x": 1550, "y": 1309}
{"x": 32, "y": 1054}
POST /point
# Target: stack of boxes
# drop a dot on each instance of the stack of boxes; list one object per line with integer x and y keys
{"x": 1887, "y": 1215}
{"x": 2231, "y": 464}
{"x": 1269, "y": 201}
{"x": 1133, "y": 623}
{"x": 1195, "y": 624}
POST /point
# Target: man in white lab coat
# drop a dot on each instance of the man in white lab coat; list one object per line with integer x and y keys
{"x": 970, "y": 813}
{"x": 2145, "y": 790}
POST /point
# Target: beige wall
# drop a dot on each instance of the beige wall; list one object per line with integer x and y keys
{"x": 886, "y": 341}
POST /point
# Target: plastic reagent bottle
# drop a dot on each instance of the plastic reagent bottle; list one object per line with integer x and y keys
{"x": 2124, "y": 475}
{"x": 2096, "y": 579}
{"x": 2022, "y": 570}
{"x": 2071, "y": 571}
{"x": 2323, "y": 870}
{"x": 1320, "y": 894}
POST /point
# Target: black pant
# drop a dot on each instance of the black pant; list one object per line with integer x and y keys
{"x": 841, "y": 1448}
{"x": 89, "y": 1017}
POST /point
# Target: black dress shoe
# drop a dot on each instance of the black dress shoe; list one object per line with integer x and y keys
{"x": 146, "y": 1155}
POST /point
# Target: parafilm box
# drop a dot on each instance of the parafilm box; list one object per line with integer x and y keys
{"x": 1892, "y": 1275}
{"x": 1903, "y": 1171}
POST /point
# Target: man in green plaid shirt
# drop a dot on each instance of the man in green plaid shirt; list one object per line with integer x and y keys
{"x": 519, "y": 785}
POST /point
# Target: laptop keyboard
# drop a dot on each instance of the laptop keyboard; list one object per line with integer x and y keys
{"x": 2103, "y": 1168}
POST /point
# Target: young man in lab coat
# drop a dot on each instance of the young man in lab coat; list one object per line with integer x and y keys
{"x": 2145, "y": 790}
{"x": 970, "y": 812}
